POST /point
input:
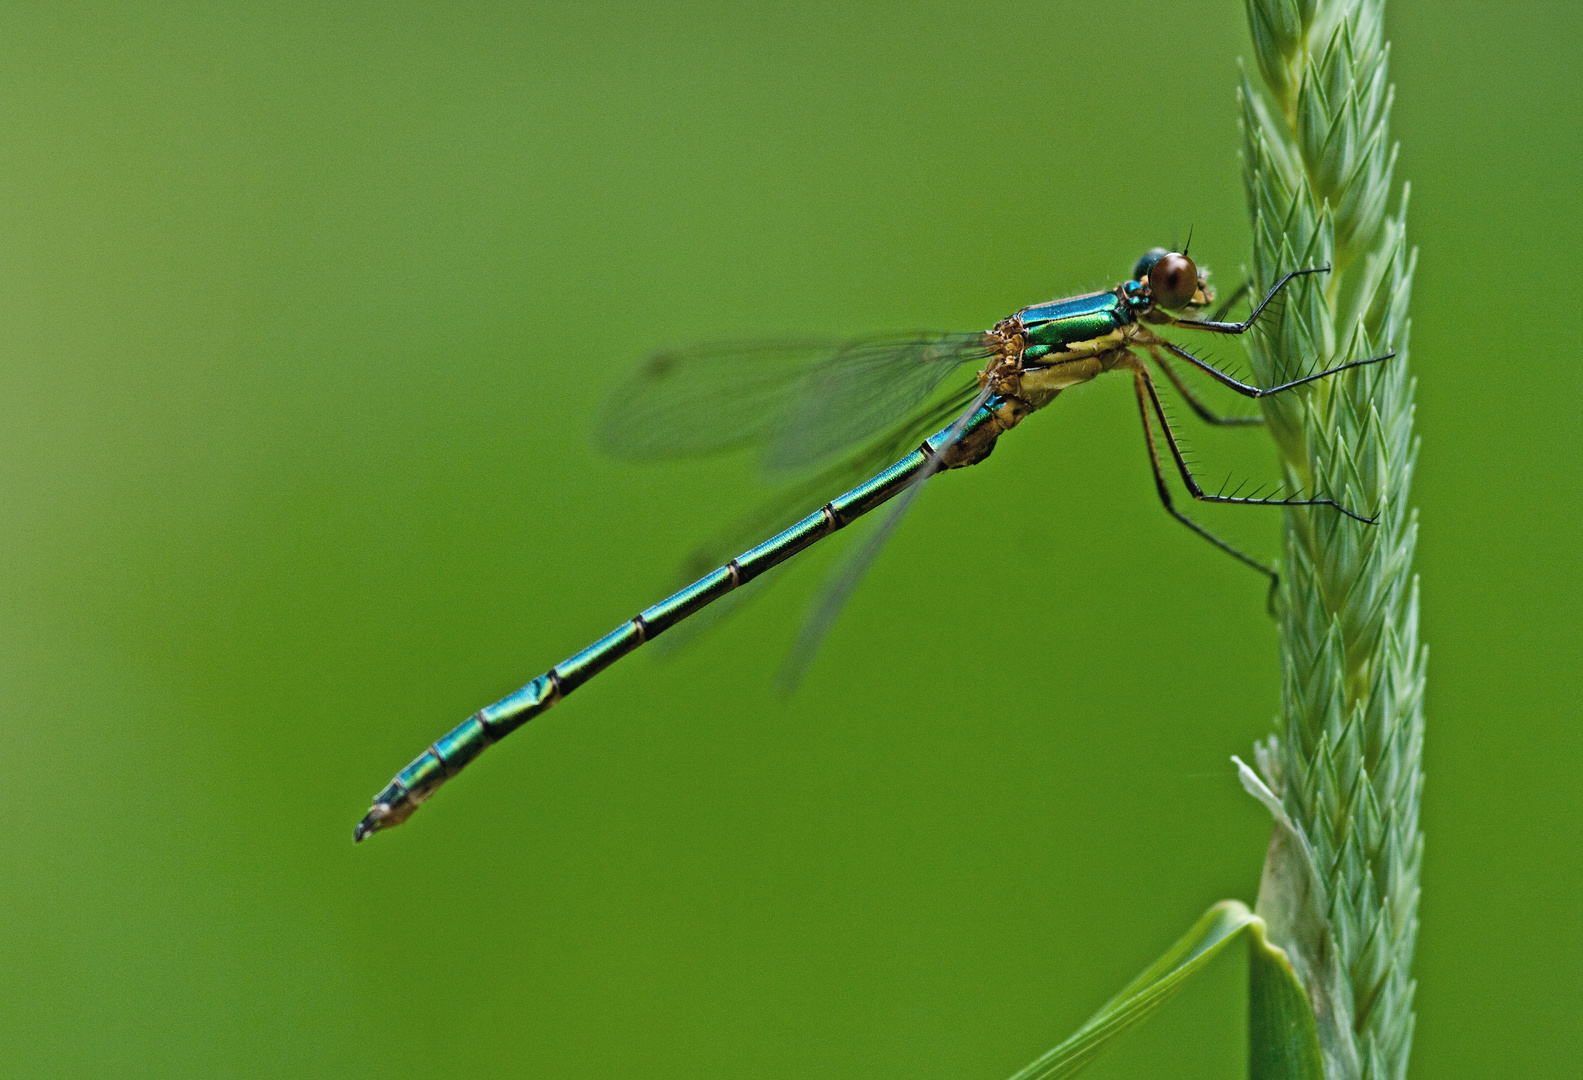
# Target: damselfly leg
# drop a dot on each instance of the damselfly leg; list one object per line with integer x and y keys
{"x": 1144, "y": 388}
{"x": 1142, "y": 375}
{"x": 1247, "y": 390}
{"x": 1149, "y": 402}
{"x": 1215, "y": 326}
{"x": 1202, "y": 411}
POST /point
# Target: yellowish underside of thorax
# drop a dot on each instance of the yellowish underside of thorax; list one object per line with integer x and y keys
{"x": 1078, "y": 363}
{"x": 1032, "y": 388}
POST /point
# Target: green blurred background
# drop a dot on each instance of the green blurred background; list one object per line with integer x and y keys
{"x": 304, "y": 315}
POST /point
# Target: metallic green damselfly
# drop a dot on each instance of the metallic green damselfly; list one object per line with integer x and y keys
{"x": 859, "y": 404}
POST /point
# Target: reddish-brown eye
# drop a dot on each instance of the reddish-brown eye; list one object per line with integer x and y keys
{"x": 1173, "y": 280}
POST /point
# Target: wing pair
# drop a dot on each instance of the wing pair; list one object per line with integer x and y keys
{"x": 822, "y": 415}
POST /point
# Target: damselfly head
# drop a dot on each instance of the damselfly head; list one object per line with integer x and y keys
{"x": 1173, "y": 279}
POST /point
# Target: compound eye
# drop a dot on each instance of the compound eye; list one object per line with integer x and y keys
{"x": 1150, "y": 257}
{"x": 1173, "y": 280}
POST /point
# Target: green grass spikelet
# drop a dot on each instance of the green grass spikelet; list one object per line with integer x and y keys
{"x": 1318, "y": 173}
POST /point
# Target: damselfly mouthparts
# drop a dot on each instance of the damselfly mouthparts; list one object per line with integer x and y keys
{"x": 858, "y": 404}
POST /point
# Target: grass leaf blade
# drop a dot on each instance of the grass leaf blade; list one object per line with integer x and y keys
{"x": 1217, "y": 929}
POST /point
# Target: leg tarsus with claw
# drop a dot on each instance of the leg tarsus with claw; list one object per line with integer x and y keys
{"x": 1247, "y": 390}
{"x": 1144, "y": 391}
{"x": 1145, "y": 386}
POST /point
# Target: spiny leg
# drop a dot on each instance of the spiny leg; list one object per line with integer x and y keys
{"x": 1146, "y": 386}
{"x": 1145, "y": 392}
{"x": 1215, "y": 326}
{"x": 1245, "y": 389}
{"x": 1203, "y": 411}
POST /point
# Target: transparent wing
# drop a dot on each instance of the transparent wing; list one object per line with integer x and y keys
{"x": 855, "y": 562}
{"x": 796, "y": 501}
{"x": 803, "y": 403}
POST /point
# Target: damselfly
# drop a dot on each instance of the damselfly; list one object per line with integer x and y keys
{"x": 859, "y": 404}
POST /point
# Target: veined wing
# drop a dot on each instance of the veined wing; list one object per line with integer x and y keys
{"x": 805, "y": 495}
{"x": 839, "y": 585}
{"x": 796, "y": 500}
{"x": 803, "y": 402}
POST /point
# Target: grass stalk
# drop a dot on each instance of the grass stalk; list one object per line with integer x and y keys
{"x": 1347, "y": 763}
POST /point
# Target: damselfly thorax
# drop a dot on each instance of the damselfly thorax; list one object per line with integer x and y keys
{"x": 1049, "y": 347}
